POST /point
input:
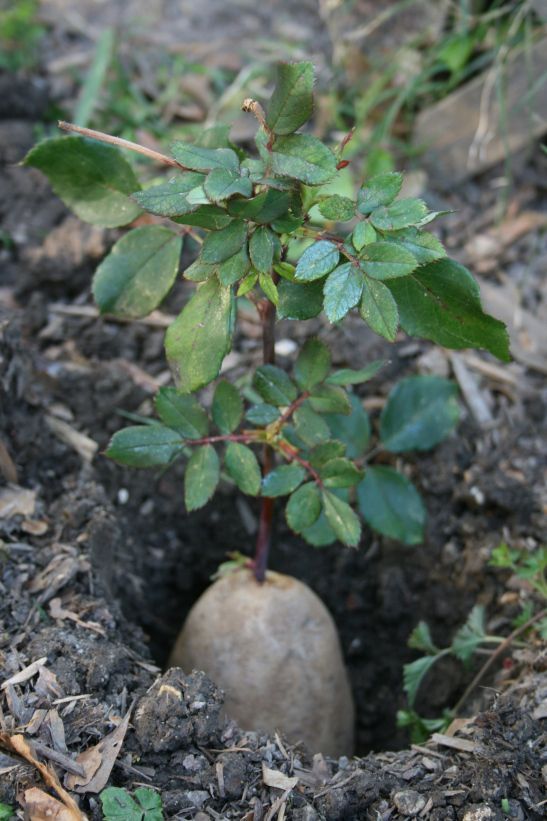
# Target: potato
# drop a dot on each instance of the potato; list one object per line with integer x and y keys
{"x": 273, "y": 648}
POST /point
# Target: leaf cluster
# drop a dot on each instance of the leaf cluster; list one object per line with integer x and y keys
{"x": 119, "y": 805}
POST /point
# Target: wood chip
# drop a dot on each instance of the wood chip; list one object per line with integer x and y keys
{"x": 82, "y": 444}
{"x": 25, "y": 674}
{"x": 16, "y": 501}
{"x": 474, "y": 397}
{"x": 277, "y": 779}
{"x": 7, "y": 465}
{"x": 461, "y": 744}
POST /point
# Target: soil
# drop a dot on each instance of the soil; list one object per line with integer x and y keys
{"x": 99, "y": 565}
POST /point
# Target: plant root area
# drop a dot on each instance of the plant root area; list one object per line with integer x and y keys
{"x": 99, "y": 566}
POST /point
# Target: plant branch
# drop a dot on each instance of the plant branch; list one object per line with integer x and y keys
{"x": 292, "y": 454}
{"x": 290, "y": 410}
{"x": 120, "y": 143}
{"x": 246, "y": 436}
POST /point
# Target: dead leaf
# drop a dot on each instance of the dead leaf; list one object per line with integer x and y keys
{"x": 59, "y": 572}
{"x": 39, "y": 806}
{"x": 25, "y": 674}
{"x": 274, "y": 778}
{"x": 35, "y": 527}
{"x": 57, "y": 611}
{"x": 98, "y": 761}
{"x": 15, "y": 500}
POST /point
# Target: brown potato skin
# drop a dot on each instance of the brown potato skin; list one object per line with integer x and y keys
{"x": 273, "y": 648}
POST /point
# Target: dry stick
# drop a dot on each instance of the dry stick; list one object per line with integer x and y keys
{"x": 496, "y": 654}
{"x": 120, "y": 143}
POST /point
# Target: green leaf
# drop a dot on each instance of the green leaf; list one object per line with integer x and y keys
{"x": 420, "y": 639}
{"x": 138, "y": 273}
{"x": 242, "y": 465}
{"x": 150, "y": 801}
{"x": 353, "y": 429}
{"x": 201, "y": 336}
{"x": 6, "y": 812}
{"x": 383, "y": 260}
{"x": 312, "y": 365}
{"x": 182, "y": 412}
{"x": 247, "y": 283}
{"x": 282, "y": 480}
{"x": 210, "y": 217}
{"x": 337, "y": 208}
{"x": 379, "y": 190}
{"x": 299, "y": 301}
{"x": 285, "y": 270}
{"x": 291, "y": 103}
{"x": 441, "y": 302}
{"x": 420, "y": 412}
{"x": 413, "y": 675}
{"x": 197, "y": 158}
{"x": 264, "y": 208}
{"x": 318, "y": 260}
{"x": 399, "y": 215}
{"x": 391, "y": 505}
{"x": 199, "y": 270}
{"x": 261, "y": 249}
{"x": 144, "y": 446}
{"x": 93, "y": 179}
{"x": 303, "y": 158}
{"x": 342, "y": 291}
{"x": 330, "y": 399}
{"x": 201, "y": 477}
{"x": 303, "y": 507}
{"x": 118, "y": 805}
{"x": 227, "y": 407}
{"x": 344, "y": 522}
{"x": 470, "y": 636}
{"x": 347, "y": 376}
{"x": 269, "y": 287}
{"x": 262, "y": 415}
{"x": 363, "y": 234}
{"x": 320, "y": 534}
{"x": 223, "y": 244}
{"x": 234, "y": 268}
{"x": 424, "y": 246}
{"x": 379, "y": 309}
{"x": 170, "y": 198}
{"x": 326, "y": 451}
{"x": 340, "y": 472}
{"x": 274, "y": 386}
{"x": 310, "y": 427}
{"x": 222, "y": 184}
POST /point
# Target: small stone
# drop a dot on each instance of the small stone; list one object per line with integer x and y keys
{"x": 480, "y": 812}
{"x": 409, "y": 802}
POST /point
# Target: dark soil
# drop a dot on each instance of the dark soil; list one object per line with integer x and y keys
{"x": 116, "y": 548}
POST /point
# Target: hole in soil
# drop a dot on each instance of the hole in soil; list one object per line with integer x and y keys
{"x": 376, "y": 594}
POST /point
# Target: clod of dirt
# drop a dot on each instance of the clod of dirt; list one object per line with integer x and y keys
{"x": 274, "y": 649}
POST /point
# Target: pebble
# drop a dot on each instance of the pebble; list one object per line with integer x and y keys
{"x": 480, "y": 812}
{"x": 409, "y": 802}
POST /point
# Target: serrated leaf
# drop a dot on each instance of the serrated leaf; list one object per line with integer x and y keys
{"x": 424, "y": 246}
{"x": 269, "y": 287}
{"x": 348, "y": 376}
{"x": 470, "y": 636}
{"x": 399, "y": 214}
{"x": 344, "y": 522}
{"x": 199, "y": 271}
{"x": 420, "y": 639}
{"x": 198, "y": 158}
{"x": 353, "y": 429}
{"x": 247, "y": 283}
{"x": 291, "y": 103}
{"x": 285, "y": 270}
{"x": 264, "y": 208}
{"x": 118, "y": 805}
{"x": 441, "y": 302}
{"x": 420, "y": 412}
{"x": 201, "y": 477}
{"x": 223, "y": 244}
{"x": 318, "y": 260}
{"x": 170, "y": 198}
{"x": 391, "y": 505}
{"x": 227, "y": 407}
{"x": 182, "y": 412}
{"x": 384, "y": 260}
{"x": 379, "y": 309}
{"x": 234, "y": 268}
{"x": 340, "y": 472}
{"x": 379, "y": 190}
{"x": 320, "y": 534}
{"x": 413, "y": 675}
{"x": 263, "y": 414}
{"x": 330, "y": 399}
{"x": 303, "y": 507}
{"x": 210, "y": 217}
{"x": 150, "y": 801}
{"x": 282, "y": 480}
{"x": 298, "y": 301}
{"x": 261, "y": 249}
{"x": 342, "y": 291}
{"x": 143, "y": 446}
{"x": 201, "y": 336}
{"x": 326, "y": 451}
{"x": 93, "y": 179}
{"x": 221, "y": 184}
{"x": 310, "y": 427}
{"x": 337, "y": 208}
{"x": 303, "y": 158}
{"x": 242, "y": 465}
{"x": 274, "y": 386}
{"x": 138, "y": 273}
{"x": 363, "y": 234}
{"x": 312, "y": 364}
